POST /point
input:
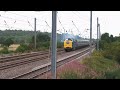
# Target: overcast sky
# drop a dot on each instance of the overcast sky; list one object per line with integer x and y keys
{"x": 109, "y": 21}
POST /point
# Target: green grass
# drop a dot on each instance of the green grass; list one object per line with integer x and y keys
{"x": 112, "y": 74}
{"x": 100, "y": 64}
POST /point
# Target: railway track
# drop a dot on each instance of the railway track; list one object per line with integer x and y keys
{"x": 24, "y": 59}
{"x": 22, "y": 56}
{"x": 35, "y": 72}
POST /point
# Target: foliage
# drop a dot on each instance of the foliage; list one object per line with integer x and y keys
{"x": 112, "y": 51}
{"x": 105, "y": 37}
{"x": 43, "y": 44}
{"x": 8, "y": 42}
{"x": 100, "y": 64}
{"x": 18, "y": 36}
{"x": 112, "y": 74}
{"x": 41, "y": 37}
{"x": 111, "y": 46}
{"x": 22, "y": 48}
{"x": 2, "y": 39}
{"x": 4, "y": 50}
{"x": 59, "y": 44}
{"x": 111, "y": 38}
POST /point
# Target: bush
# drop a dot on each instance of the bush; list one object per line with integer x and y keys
{"x": 112, "y": 51}
{"x": 112, "y": 74}
{"x": 97, "y": 53}
{"x": 22, "y": 48}
{"x": 100, "y": 64}
{"x": 8, "y": 42}
{"x": 116, "y": 51}
{"x": 59, "y": 44}
{"x": 4, "y": 50}
{"x": 43, "y": 45}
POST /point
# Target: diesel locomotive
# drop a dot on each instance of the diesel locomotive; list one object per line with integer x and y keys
{"x": 73, "y": 44}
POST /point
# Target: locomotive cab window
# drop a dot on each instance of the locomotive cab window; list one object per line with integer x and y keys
{"x": 69, "y": 39}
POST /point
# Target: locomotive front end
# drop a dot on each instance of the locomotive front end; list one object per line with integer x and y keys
{"x": 68, "y": 44}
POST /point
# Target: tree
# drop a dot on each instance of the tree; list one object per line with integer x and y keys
{"x": 117, "y": 38}
{"x": 111, "y": 38}
{"x": 41, "y": 37}
{"x": 8, "y": 42}
{"x": 105, "y": 37}
{"x": 2, "y": 39}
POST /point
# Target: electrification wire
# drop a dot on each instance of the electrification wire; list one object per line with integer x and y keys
{"x": 63, "y": 27}
{"x": 61, "y": 24}
{"x": 79, "y": 16}
{"x": 21, "y": 15}
{"x": 76, "y": 27}
{"x": 83, "y": 20}
{"x": 30, "y": 24}
{"x": 16, "y": 21}
{"x": 47, "y": 24}
{"x": 22, "y": 21}
{"x": 78, "y": 22}
{"x": 11, "y": 27}
{"x": 26, "y": 16}
{"x": 6, "y": 24}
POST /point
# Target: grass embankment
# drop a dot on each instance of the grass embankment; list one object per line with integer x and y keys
{"x": 94, "y": 67}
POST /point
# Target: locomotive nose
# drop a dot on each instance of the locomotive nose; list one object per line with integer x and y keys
{"x": 67, "y": 42}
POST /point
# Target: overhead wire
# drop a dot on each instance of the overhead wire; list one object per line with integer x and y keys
{"x": 47, "y": 24}
{"x": 16, "y": 20}
{"x": 21, "y": 15}
{"x": 76, "y": 28}
{"x": 61, "y": 24}
{"x": 26, "y": 16}
{"x": 79, "y": 16}
{"x": 32, "y": 18}
{"x": 82, "y": 20}
{"x": 77, "y": 22}
{"x": 4, "y": 26}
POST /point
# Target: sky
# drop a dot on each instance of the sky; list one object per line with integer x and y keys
{"x": 73, "y": 22}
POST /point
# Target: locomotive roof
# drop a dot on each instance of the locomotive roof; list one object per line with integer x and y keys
{"x": 77, "y": 39}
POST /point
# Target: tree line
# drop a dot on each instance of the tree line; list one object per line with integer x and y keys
{"x": 110, "y": 46}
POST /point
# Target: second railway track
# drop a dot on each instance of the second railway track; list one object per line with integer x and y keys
{"x": 22, "y": 56}
{"x": 24, "y": 59}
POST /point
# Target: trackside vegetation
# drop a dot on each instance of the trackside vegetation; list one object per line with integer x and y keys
{"x": 102, "y": 64}
{"x": 26, "y": 41}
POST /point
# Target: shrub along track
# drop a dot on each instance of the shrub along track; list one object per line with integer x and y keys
{"x": 12, "y": 61}
{"x": 35, "y": 72}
